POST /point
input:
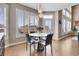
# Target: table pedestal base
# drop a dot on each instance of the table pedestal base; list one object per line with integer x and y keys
{"x": 40, "y": 47}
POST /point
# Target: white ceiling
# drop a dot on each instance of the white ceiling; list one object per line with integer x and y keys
{"x": 49, "y": 6}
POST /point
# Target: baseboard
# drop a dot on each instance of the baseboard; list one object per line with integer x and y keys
{"x": 64, "y": 36}
{"x": 7, "y": 45}
{"x": 12, "y": 44}
{"x": 55, "y": 39}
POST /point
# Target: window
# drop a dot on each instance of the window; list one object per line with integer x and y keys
{"x": 66, "y": 20}
{"x": 48, "y": 22}
{"x": 1, "y": 18}
{"x": 20, "y": 18}
{"x": 63, "y": 26}
{"x": 33, "y": 21}
{"x": 4, "y": 21}
{"x": 36, "y": 21}
{"x": 25, "y": 22}
{"x": 19, "y": 23}
{"x": 68, "y": 26}
{"x": 48, "y": 17}
{"x": 3, "y": 24}
{"x": 63, "y": 12}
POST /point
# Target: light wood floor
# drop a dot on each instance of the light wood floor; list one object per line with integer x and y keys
{"x": 64, "y": 47}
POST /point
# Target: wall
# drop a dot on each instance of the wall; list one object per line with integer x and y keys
{"x": 75, "y": 14}
{"x": 60, "y": 23}
{"x": 56, "y": 36}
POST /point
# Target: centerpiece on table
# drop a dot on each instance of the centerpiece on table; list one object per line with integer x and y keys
{"x": 39, "y": 29}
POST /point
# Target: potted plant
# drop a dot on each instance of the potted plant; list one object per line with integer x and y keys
{"x": 74, "y": 29}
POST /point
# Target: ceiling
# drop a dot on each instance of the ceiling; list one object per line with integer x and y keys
{"x": 49, "y": 6}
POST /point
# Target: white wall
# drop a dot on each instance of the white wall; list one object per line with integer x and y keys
{"x": 56, "y": 26}
{"x": 75, "y": 15}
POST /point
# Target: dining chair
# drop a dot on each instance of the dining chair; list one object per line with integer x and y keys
{"x": 2, "y": 46}
{"x": 32, "y": 32}
{"x": 47, "y": 42}
{"x": 31, "y": 41}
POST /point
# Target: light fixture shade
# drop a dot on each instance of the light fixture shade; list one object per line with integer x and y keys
{"x": 40, "y": 15}
{"x": 39, "y": 8}
{"x": 40, "y": 11}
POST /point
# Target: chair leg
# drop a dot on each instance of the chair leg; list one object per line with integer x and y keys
{"x": 34, "y": 49}
{"x": 51, "y": 50}
{"x": 30, "y": 49}
{"x": 45, "y": 50}
{"x": 3, "y": 51}
{"x": 26, "y": 45}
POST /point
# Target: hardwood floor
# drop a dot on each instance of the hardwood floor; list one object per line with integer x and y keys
{"x": 64, "y": 47}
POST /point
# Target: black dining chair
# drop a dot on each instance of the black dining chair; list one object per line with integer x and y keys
{"x": 2, "y": 46}
{"x": 47, "y": 42}
{"x": 32, "y": 32}
{"x": 31, "y": 41}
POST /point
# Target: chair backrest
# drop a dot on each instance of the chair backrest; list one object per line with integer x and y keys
{"x": 32, "y": 32}
{"x": 49, "y": 39}
{"x": 2, "y": 46}
{"x": 28, "y": 38}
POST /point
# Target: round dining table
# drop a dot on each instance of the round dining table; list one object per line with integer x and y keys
{"x": 38, "y": 36}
